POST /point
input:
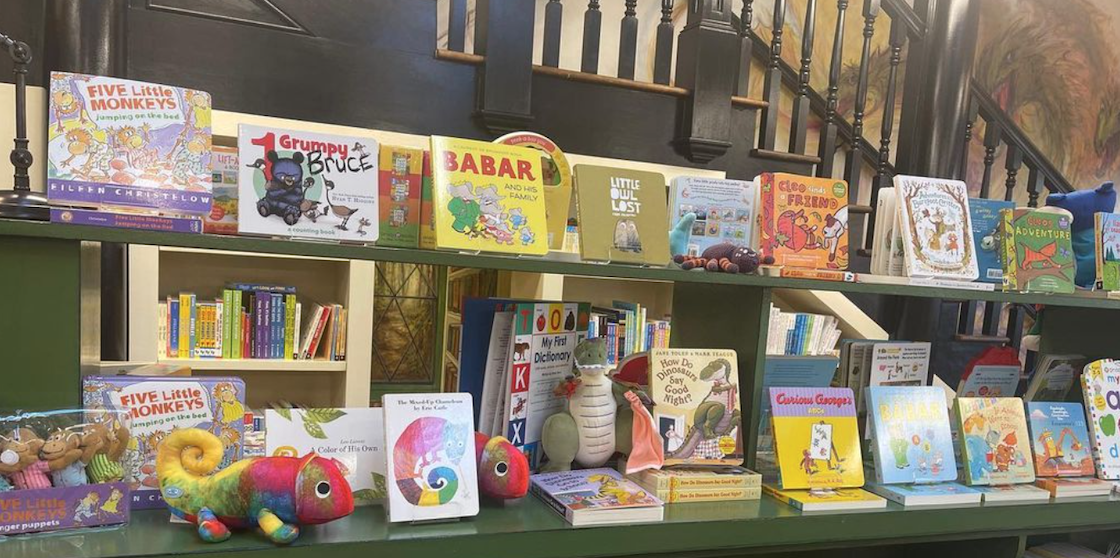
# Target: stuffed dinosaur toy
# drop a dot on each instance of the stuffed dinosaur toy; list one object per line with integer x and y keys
{"x": 1083, "y": 204}
{"x": 273, "y": 493}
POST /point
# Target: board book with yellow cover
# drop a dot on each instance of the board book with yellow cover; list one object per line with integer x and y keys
{"x": 622, "y": 215}
{"x": 995, "y": 444}
{"x": 696, "y": 405}
{"x": 826, "y": 499}
{"x": 816, "y": 438}
{"x": 488, "y": 197}
{"x": 803, "y": 221}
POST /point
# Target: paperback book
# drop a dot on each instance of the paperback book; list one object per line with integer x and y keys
{"x": 831, "y": 499}
{"x": 399, "y": 172}
{"x": 1038, "y": 250}
{"x": 986, "y": 237}
{"x": 1100, "y": 384}
{"x": 816, "y": 438}
{"x": 1060, "y": 439}
{"x": 556, "y": 177}
{"x": 596, "y": 497}
{"x": 688, "y": 479}
{"x": 803, "y": 221}
{"x": 939, "y": 494}
{"x": 137, "y": 221}
{"x": 622, "y": 215}
{"x": 696, "y": 405}
{"x": 222, "y": 218}
{"x": 1054, "y": 377}
{"x": 995, "y": 444}
{"x": 937, "y": 228}
{"x": 912, "y": 441}
{"x": 724, "y": 209}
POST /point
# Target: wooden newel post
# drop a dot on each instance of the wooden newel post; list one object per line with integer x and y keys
{"x": 504, "y": 35}
{"x": 707, "y": 59}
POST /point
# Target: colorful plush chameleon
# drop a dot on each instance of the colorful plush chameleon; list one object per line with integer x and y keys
{"x": 274, "y": 493}
{"x": 503, "y": 470}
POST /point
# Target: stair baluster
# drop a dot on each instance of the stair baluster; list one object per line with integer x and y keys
{"x": 969, "y": 124}
{"x": 991, "y": 143}
{"x": 853, "y": 164}
{"x": 746, "y": 50}
{"x": 827, "y": 147}
{"x": 457, "y": 25}
{"x": 592, "y": 26}
{"x": 882, "y": 180}
{"x": 1036, "y": 182}
{"x": 772, "y": 85}
{"x": 553, "y": 18}
{"x": 628, "y": 41}
{"x": 663, "y": 57}
{"x": 799, "y": 124}
{"x": 1012, "y": 164}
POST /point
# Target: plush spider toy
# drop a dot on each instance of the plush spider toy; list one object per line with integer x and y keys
{"x": 726, "y": 257}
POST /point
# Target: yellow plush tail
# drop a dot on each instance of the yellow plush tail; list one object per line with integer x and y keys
{"x": 189, "y": 452}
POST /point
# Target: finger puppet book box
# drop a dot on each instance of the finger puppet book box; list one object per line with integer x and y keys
{"x": 307, "y": 185}
{"x": 1038, "y": 250}
{"x": 398, "y": 185}
{"x": 936, "y": 228}
{"x": 696, "y": 405}
{"x": 622, "y": 215}
{"x": 803, "y": 221}
{"x": 156, "y": 406}
{"x": 488, "y": 197}
{"x": 1100, "y": 384}
{"x": 995, "y": 445}
{"x": 62, "y": 470}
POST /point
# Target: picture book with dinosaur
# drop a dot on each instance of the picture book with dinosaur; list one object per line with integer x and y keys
{"x": 910, "y": 433}
{"x": 123, "y": 144}
{"x": 816, "y": 437}
{"x": 622, "y": 215}
{"x": 695, "y": 394}
{"x": 724, "y": 209}
{"x": 985, "y": 216}
{"x": 398, "y": 188}
{"x": 936, "y": 228}
{"x": 596, "y": 497}
{"x": 803, "y": 220}
{"x": 306, "y": 184}
{"x": 556, "y": 176}
{"x": 488, "y": 197}
{"x": 995, "y": 444}
{"x": 1037, "y": 250}
{"x": 431, "y": 471}
{"x": 222, "y": 218}
{"x": 1106, "y": 227}
{"x": 1100, "y": 384}
{"x": 1060, "y": 439}
{"x": 353, "y": 437}
{"x": 156, "y": 406}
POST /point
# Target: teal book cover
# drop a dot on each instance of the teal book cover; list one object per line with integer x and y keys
{"x": 985, "y": 236}
{"x": 911, "y": 436}
{"x": 1060, "y": 439}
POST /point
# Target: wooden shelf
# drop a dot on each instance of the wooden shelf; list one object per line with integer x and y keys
{"x": 256, "y": 364}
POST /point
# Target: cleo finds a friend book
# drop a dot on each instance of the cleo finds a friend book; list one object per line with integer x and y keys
{"x": 803, "y": 221}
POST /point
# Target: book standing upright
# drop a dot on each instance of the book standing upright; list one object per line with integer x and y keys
{"x": 1038, "y": 250}
{"x": 803, "y": 221}
{"x": 936, "y": 228}
{"x": 696, "y": 405}
{"x": 622, "y": 215}
{"x": 724, "y": 209}
{"x": 995, "y": 444}
{"x": 1100, "y": 384}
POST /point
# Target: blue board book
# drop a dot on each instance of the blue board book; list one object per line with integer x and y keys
{"x": 1060, "y": 439}
{"x": 985, "y": 236}
{"x": 790, "y": 371}
{"x": 942, "y": 493}
{"x": 478, "y": 320}
{"x": 910, "y": 435}
{"x": 724, "y": 209}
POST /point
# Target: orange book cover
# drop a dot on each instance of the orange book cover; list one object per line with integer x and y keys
{"x": 803, "y": 220}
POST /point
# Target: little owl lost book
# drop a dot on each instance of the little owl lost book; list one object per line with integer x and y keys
{"x": 622, "y": 215}
{"x": 911, "y": 435}
{"x": 696, "y": 405}
{"x": 803, "y": 221}
{"x": 816, "y": 438}
{"x": 995, "y": 445}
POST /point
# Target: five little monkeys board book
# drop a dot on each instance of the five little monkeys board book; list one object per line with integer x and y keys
{"x": 910, "y": 430}
{"x": 488, "y": 197}
{"x": 118, "y": 143}
{"x": 306, "y": 184}
{"x": 995, "y": 445}
{"x": 622, "y": 215}
{"x": 803, "y": 221}
{"x": 816, "y": 438}
{"x": 696, "y": 405}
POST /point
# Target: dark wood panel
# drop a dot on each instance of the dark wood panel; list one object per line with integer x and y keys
{"x": 22, "y": 20}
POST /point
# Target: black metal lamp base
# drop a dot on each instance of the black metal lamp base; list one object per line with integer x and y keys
{"x": 23, "y": 204}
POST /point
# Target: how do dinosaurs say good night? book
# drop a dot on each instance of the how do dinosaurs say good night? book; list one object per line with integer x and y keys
{"x": 816, "y": 438}
{"x": 1100, "y": 385}
{"x": 696, "y": 405}
{"x": 622, "y": 215}
{"x": 936, "y": 228}
{"x": 803, "y": 221}
{"x": 432, "y": 472}
{"x": 1038, "y": 250}
{"x": 307, "y": 184}
{"x": 995, "y": 444}
{"x": 912, "y": 441}
{"x": 123, "y": 144}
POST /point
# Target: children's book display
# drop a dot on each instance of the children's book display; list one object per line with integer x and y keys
{"x": 986, "y": 237}
{"x": 724, "y": 209}
{"x": 156, "y": 407}
{"x": 119, "y": 144}
{"x": 222, "y": 218}
{"x": 306, "y": 184}
{"x": 789, "y": 371}
{"x": 353, "y": 437}
{"x": 911, "y": 438}
{"x": 63, "y": 470}
{"x": 622, "y": 215}
{"x": 399, "y": 172}
{"x": 1054, "y": 376}
{"x": 432, "y": 473}
{"x": 1100, "y": 384}
{"x": 995, "y": 444}
{"x": 992, "y": 373}
{"x": 1106, "y": 229}
{"x": 596, "y": 497}
{"x": 1038, "y": 250}
{"x": 556, "y": 177}
{"x": 488, "y": 197}
{"x": 803, "y": 220}
{"x": 696, "y": 405}
{"x": 936, "y": 228}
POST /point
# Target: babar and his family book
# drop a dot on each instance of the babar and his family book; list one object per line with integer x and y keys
{"x": 1038, "y": 250}
{"x": 1100, "y": 384}
{"x": 936, "y": 228}
{"x": 910, "y": 431}
{"x": 995, "y": 444}
{"x": 816, "y": 438}
{"x": 398, "y": 188}
{"x": 156, "y": 407}
{"x": 622, "y": 215}
{"x": 124, "y": 144}
{"x": 488, "y": 197}
{"x": 696, "y": 405}
{"x": 1060, "y": 437}
{"x": 307, "y": 184}
{"x": 803, "y": 220}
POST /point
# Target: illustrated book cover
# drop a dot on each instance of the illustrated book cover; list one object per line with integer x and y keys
{"x": 1100, "y": 384}
{"x": 724, "y": 209}
{"x": 1038, "y": 250}
{"x": 1107, "y": 233}
{"x": 222, "y": 218}
{"x": 803, "y": 221}
{"x": 831, "y": 499}
{"x": 995, "y": 444}
{"x": 910, "y": 431}
{"x": 556, "y": 176}
{"x": 891, "y": 363}
{"x": 986, "y": 236}
{"x": 1060, "y": 438}
{"x": 622, "y": 215}
{"x": 696, "y": 405}
{"x": 158, "y": 406}
{"x": 816, "y": 437}
{"x": 399, "y": 173}
{"x": 431, "y": 470}
{"x": 306, "y": 184}
{"x": 124, "y": 144}
{"x": 936, "y": 228}
{"x": 353, "y": 437}
{"x": 488, "y": 197}
{"x": 596, "y": 497}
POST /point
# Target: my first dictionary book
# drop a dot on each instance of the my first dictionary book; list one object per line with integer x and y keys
{"x": 910, "y": 430}
{"x": 816, "y": 437}
{"x": 1100, "y": 383}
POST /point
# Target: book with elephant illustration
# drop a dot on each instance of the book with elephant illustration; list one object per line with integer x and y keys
{"x": 912, "y": 441}
{"x": 995, "y": 444}
{"x": 622, "y": 215}
{"x": 1037, "y": 250}
{"x": 488, "y": 197}
{"x": 696, "y": 405}
{"x": 307, "y": 184}
{"x": 157, "y": 406}
{"x": 431, "y": 470}
{"x": 816, "y": 438}
{"x": 1100, "y": 384}
{"x": 936, "y": 228}
{"x": 803, "y": 220}
{"x": 353, "y": 437}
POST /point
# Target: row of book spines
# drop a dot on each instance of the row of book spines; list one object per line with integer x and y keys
{"x": 691, "y": 483}
{"x": 722, "y": 494}
{"x": 261, "y": 325}
{"x": 800, "y": 334}
{"x": 657, "y": 334}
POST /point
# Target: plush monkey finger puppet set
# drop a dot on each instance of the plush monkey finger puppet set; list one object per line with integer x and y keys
{"x": 71, "y": 456}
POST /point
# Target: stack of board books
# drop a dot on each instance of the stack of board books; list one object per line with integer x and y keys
{"x": 250, "y": 321}
{"x": 627, "y": 329}
{"x": 596, "y": 497}
{"x": 696, "y": 484}
{"x": 801, "y": 334}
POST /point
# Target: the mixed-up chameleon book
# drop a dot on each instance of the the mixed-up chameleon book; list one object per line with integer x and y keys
{"x": 118, "y": 143}
{"x": 696, "y": 405}
{"x": 1038, "y": 250}
{"x": 803, "y": 220}
{"x": 816, "y": 438}
{"x": 622, "y": 215}
{"x": 995, "y": 444}
{"x": 911, "y": 435}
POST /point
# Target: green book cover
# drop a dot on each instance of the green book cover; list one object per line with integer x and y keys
{"x": 1038, "y": 250}
{"x": 235, "y": 323}
{"x": 227, "y": 330}
{"x": 1107, "y": 233}
{"x": 289, "y": 325}
{"x": 622, "y": 215}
